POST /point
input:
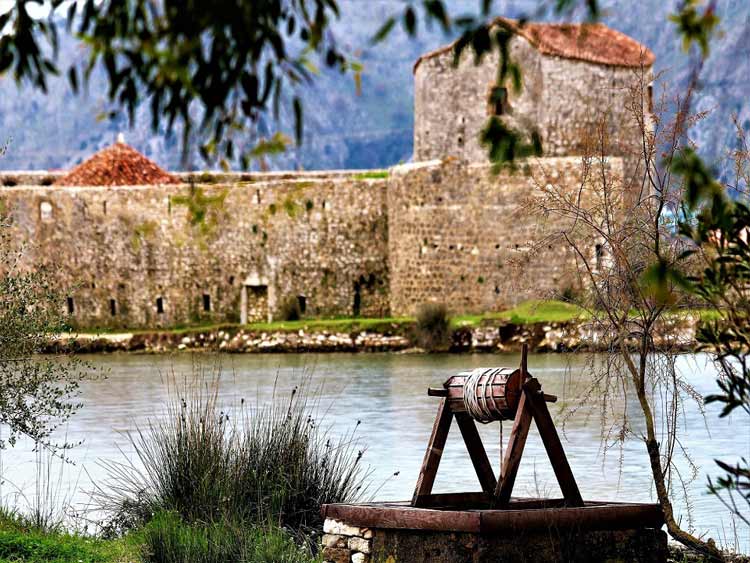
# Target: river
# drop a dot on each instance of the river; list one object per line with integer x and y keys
{"x": 387, "y": 393}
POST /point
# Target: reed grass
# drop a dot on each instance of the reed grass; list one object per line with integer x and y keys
{"x": 271, "y": 464}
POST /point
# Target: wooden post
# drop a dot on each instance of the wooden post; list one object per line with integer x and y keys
{"x": 477, "y": 453}
{"x": 434, "y": 452}
{"x": 532, "y": 391}
{"x": 513, "y": 454}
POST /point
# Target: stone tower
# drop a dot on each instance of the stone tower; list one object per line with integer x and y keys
{"x": 573, "y": 75}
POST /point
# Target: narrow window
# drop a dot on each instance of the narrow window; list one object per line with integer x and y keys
{"x": 650, "y": 98}
{"x": 160, "y": 305}
{"x": 45, "y": 210}
{"x": 498, "y": 100}
{"x": 599, "y": 251}
{"x": 206, "y": 302}
{"x": 112, "y": 307}
{"x": 104, "y": 207}
{"x": 302, "y": 301}
{"x": 357, "y": 305}
{"x": 231, "y": 280}
{"x": 71, "y": 306}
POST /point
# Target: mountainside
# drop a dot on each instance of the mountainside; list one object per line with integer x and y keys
{"x": 374, "y": 129}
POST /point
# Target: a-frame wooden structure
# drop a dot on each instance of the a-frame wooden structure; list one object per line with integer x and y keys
{"x": 524, "y": 402}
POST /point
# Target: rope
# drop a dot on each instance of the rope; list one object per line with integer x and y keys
{"x": 478, "y": 407}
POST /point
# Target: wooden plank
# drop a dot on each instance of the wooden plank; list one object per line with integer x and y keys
{"x": 513, "y": 453}
{"x": 434, "y": 452}
{"x": 609, "y": 516}
{"x": 477, "y": 453}
{"x": 551, "y": 441}
{"x": 456, "y": 501}
{"x": 405, "y": 518}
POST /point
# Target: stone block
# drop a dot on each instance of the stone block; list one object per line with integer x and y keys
{"x": 359, "y": 544}
{"x": 337, "y": 554}
{"x": 332, "y": 526}
{"x": 360, "y": 558}
{"x": 332, "y": 540}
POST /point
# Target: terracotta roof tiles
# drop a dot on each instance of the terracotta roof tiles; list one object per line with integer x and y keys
{"x": 591, "y": 42}
{"x": 117, "y": 165}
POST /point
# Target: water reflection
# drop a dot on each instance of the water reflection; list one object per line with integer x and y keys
{"x": 387, "y": 393}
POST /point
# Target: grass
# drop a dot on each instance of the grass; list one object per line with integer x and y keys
{"x": 169, "y": 539}
{"x": 214, "y": 463}
{"x": 528, "y": 312}
{"x": 21, "y": 542}
{"x": 372, "y": 175}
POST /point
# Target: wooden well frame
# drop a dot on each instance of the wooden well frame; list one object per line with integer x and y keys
{"x": 493, "y": 510}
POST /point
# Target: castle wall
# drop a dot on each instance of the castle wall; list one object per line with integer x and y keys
{"x": 213, "y": 252}
{"x": 462, "y": 236}
{"x": 564, "y": 99}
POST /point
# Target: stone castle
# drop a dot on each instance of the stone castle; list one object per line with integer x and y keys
{"x": 136, "y": 247}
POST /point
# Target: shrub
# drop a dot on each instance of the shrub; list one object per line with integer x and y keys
{"x": 433, "y": 328}
{"x": 272, "y": 464}
{"x": 169, "y": 539}
{"x": 290, "y": 310}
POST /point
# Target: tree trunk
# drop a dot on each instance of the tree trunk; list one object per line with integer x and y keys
{"x": 657, "y": 471}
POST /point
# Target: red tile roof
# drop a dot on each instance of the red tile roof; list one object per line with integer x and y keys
{"x": 116, "y": 165}
{"x": 591, "y": 42}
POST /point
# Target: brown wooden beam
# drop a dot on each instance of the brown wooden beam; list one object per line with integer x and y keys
{"x": 477, "y": 453}
{"x": 434, "y": 452}
{"x": 559, "y": 461}
{"x": 513, "y": 453}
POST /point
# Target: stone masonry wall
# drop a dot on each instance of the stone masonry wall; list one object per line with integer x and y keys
{"x": 564, "y": 99}
{"x": 345, "y": 543}
{"x": 156, "y": 256}
{"x": 462, "y": 236}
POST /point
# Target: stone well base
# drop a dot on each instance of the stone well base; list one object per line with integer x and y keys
{"x": 389, "y": 534}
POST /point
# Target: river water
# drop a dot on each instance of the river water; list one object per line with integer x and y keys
{"x": 387, "y": 393}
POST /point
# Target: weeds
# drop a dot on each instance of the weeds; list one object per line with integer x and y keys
{"x": 290, "y": 310}
{"x": 433, "y": 332}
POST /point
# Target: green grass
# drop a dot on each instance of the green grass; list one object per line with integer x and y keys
{"x": 168, "y": 539}
{"x": 20, "y": 543}
{"x": 543, "y": 312}
{"x": 332, "y": 325}
{"x": 372, "y": 175}
{"x": 527, "y": 312}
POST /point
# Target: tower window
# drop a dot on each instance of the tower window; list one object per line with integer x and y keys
{"x": 650, "y": 98}
{"x": 45, "y": 211}
{"x": 71, "y": 306}
{"x": 498, "y": 100}
{"x": 160, "y": 305}
{"x": 112, "y": 307}
{"x": 206, "y": 302}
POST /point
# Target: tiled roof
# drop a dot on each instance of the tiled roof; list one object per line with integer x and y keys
{"x": 117, "y": 165}
{"x": 592, "y": 42}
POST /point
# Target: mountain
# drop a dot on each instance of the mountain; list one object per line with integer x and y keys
{"x": 374, "y": 129}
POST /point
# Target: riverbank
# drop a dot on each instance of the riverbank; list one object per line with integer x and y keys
{"x": 544, "y": 326}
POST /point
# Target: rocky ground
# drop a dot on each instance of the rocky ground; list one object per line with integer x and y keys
{"x": 499, "y": 336}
